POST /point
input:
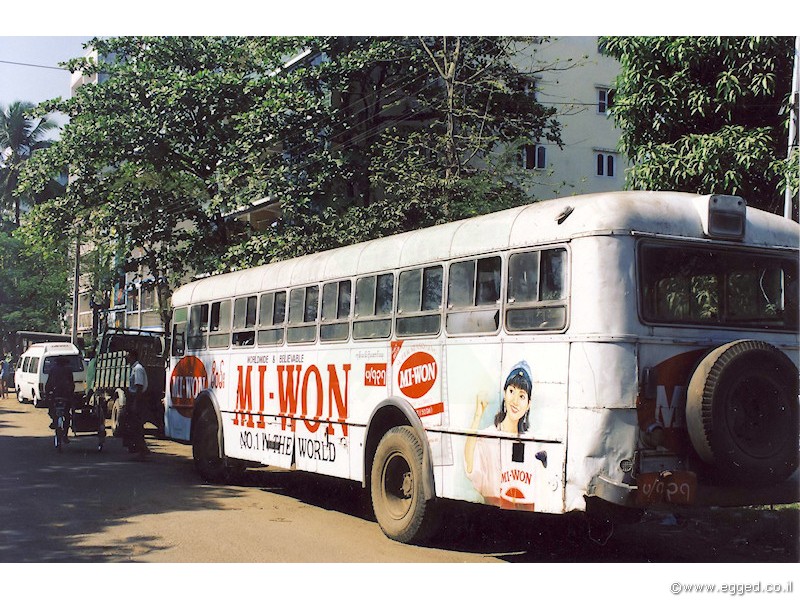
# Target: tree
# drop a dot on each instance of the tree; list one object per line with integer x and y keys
{"x": 372, "y": 136}
{"x": 143, "y": 149}
{"x": 706, "y": 114}
{"x": 20, "y": 135}
{"x": 33, "y": 284}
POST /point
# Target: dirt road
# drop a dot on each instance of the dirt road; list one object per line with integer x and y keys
{"x": 82, "y": 506}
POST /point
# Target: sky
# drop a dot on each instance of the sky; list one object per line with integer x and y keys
{"x": 45, "y": 43}
{"x": 29, "y": 67}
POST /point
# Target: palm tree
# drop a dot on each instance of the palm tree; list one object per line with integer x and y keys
{"x": 20, "y": 136}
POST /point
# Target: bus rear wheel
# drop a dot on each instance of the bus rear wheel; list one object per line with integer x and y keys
{"x": 208, "y": 459}
{"x": 396, "y": 486}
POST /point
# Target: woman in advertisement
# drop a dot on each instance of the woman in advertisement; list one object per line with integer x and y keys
{"x": 490, "y": 462}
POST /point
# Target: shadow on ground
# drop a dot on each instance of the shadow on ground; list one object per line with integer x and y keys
{"x": 50, "y": 501}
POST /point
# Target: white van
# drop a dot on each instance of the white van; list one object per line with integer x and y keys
{"x": 34, "y": 367}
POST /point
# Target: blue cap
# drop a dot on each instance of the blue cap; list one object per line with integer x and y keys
{"x": 521, "y": 369}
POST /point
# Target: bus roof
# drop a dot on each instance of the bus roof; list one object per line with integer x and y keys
{"x": 666, "y": 213}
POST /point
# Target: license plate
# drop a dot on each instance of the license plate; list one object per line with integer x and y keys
{"x": 670, "y": 487}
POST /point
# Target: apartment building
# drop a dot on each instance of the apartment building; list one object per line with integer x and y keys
{"x": 571, "y": 75}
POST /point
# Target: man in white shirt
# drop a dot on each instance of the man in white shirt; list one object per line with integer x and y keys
{"x": 133, "y": 431}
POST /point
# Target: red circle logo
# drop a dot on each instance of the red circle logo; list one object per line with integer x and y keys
{"x": 417, "y": 375}
{"x": 188, "y": 379}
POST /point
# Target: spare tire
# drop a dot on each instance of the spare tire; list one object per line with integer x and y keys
{"x": 742, "y": 412}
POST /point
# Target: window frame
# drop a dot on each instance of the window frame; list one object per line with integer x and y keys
{"x": 279, "y": 326}
{"x": 176, "y": 322}
{"x": 474, "y": 308}
{"x": 604, "y": 99}
{"x": 400, "y": 316}
{"x": 510, "y": 305}
{"x": 602, "y": 160}
{"x": 760, "y": 252}
{"x": 223, "y": 326}
{"x": 202, "y": 330}
{"x": 298, "y": 327}
{"x": 373, "y": 317}
{"x": 240, "y": 335}
{"x": 535, "y": 150}
{"x": 336, "y": 323}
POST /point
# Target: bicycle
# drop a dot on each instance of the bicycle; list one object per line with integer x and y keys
{"x": 61, "y": 412}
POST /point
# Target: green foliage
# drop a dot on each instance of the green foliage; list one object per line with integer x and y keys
{"x": 21, "y": 134}
{"x": 706, "y": 114}
{"x": 361, "y": 138}
{"x": 33, "y": 283}
{"x": 368, "y": 137}
{"x": 143, "y": 150}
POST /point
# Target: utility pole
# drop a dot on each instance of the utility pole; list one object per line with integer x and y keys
{"x": 793, "y": 126}
{"x": 76, "y": 287}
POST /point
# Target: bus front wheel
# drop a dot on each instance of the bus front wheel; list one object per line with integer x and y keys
{"x": 396, "y": 486}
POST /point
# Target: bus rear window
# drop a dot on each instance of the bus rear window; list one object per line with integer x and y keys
{"x": 718, "y": 287}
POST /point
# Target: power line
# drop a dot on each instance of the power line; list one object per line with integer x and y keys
{"x": 21, "y": 64}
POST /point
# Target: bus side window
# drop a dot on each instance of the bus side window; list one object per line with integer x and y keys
{"x": 244, "y": 321}
{"x": 271, "y": 319}
{"x": 419, "y": 301}
{"x": 303, "y": 314}
{"x": 474, "y": 284}
{"x": 537, "y": 290}
{"x": 220, "y": 326}
{"x": 335, "y": 325}
{"x": 373, "y": 307}
{"x": 197, "y": 338}
{"x": 179, "y": 318}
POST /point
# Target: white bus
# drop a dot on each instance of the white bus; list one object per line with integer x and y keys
{"x": 625, "y": 349}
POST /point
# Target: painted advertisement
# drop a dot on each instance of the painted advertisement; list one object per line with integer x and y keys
{"x": 285, "y": 408}
{"x": 667, "y": 409}
{"x": 418, "y": 373}
{"x": 504, "y": 457}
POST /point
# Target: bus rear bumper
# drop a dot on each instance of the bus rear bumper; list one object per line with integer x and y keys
{"x": 703, "y": 495}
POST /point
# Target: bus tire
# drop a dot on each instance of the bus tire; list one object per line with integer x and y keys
{"x": 396, "y": 486}
{"x": 206, "y": 454}
{"x": 742, "y": 412}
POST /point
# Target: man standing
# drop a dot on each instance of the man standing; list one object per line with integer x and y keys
{"x": 5, "y": 366}
{"x": 133, "y": 429}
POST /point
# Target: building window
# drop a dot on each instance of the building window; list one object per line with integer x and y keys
{"x": 605, "y": 100}
{"x": 132, "y": 304}
{"x": 534, "y": 156}
{"x": 605, "y": 164}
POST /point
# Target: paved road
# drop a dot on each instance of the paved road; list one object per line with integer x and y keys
{"x": 82, "y": 506}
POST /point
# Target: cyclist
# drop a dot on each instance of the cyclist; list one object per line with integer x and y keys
{"x": 60, "y": 384}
